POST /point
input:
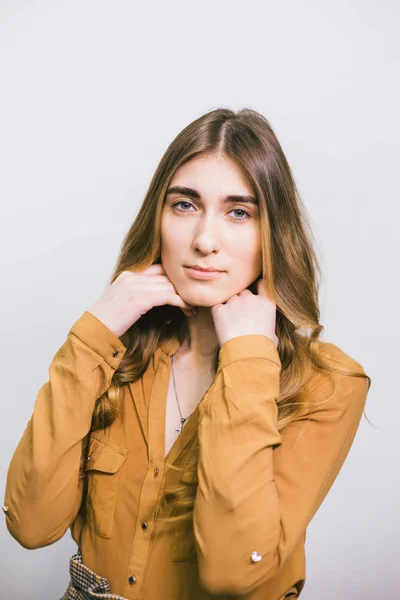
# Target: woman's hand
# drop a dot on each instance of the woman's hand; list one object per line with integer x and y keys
{"x": 132, "y": 294}
{"x": 246, "y": 313}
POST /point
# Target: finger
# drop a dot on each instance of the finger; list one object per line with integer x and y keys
{"x": 178, "y": 301}
{"x": 155, "y": 268}
{"x": 144, "y": 278}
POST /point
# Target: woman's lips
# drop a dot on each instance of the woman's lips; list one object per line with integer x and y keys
{"x": 196, "y": 274}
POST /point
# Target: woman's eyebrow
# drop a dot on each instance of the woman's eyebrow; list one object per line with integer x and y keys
{"x": 177, "y": 189}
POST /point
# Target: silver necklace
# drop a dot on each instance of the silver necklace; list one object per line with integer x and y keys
{"x": 183, "y": 419}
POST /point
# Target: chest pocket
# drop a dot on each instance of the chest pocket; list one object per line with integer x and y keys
{"x": 102, "y": 469}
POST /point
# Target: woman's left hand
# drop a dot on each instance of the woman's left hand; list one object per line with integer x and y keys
{"x": 246, "y": 313}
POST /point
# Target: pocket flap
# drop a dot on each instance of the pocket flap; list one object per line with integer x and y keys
{"x": 106, "y": 457}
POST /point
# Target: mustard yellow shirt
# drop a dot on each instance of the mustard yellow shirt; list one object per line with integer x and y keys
{"x": 258, "y": 489}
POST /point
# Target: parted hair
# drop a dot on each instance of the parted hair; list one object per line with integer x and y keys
{"x": 290, "y": 271}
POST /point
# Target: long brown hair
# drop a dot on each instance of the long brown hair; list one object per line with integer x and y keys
{"x": 290, "y": 270}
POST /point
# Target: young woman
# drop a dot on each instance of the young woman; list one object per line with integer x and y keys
{"x": 193, "y": 421}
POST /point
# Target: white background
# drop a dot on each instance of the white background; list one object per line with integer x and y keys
{"x": 92, "y": 92}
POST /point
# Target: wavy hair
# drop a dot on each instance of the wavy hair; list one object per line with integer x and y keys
{"x": 290, "y": 271}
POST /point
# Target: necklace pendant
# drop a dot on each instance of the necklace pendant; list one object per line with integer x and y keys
{"x": 181, "y": 426}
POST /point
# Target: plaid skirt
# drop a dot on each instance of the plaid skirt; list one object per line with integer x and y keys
{"x": 85, "y": 584}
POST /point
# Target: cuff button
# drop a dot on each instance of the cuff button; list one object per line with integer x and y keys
{"x": 255, "y": 557}
{"x": 5, "y": 509}
{"x": 115, "y": 353}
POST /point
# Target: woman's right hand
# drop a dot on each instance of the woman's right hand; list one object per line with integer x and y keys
{"x": 132, "y": 294}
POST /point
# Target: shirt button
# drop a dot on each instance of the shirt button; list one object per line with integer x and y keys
{"x": 144, "y": 525}
{"x": 88, "y": 458}
{"x": 115, "y": 353}
{"x": 132, "y": 579}
{"x": 255, "y": 556}
{"x": 156, "y": 471}
{"x": 5, "y": 509}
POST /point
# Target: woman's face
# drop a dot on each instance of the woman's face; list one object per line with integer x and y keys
{"x": 201, "y": 226}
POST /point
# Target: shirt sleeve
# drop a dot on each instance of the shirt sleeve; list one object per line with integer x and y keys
{"x": 257, "y": 488}
{"x": 43, "y": 489}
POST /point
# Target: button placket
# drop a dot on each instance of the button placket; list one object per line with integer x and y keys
{"x": 139, "y": 556}
{"x": 149, "y": 497}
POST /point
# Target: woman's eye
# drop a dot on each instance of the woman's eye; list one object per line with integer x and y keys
{"x": 241, "y": 211}
{"x": 245, "y": 214}
{"x": 181, "y": 202}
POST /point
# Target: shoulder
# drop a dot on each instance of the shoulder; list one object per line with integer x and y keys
{"x": 339, "y": 391}
{"x": 343, "y": 359}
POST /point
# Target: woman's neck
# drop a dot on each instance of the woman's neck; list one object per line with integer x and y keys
{"x": 197, "y": 335}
